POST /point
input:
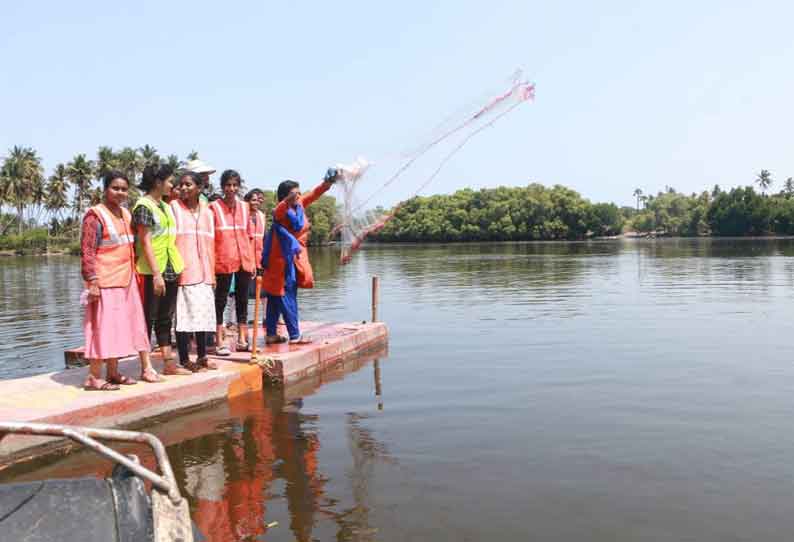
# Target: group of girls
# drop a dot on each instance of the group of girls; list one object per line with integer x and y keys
{"x": 170, "y": 263}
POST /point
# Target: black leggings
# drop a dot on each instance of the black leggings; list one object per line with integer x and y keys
{"x": 222, "y": 285}
{"x": 183, "y": 345}
{"x": 159, "y": 310}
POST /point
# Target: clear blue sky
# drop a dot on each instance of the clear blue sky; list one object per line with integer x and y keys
{"x": 629, "y": 94}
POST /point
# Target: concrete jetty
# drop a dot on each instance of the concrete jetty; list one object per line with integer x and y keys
{"x": 59, "y": 397}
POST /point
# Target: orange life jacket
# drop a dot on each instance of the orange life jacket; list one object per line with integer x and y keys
{"x": 115, "y": 255}
{"x": 233, "y": 248}
{"x": 195, "y": 241}
{"x": 258, "y": 234}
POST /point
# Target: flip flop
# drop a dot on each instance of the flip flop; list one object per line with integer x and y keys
{"x": 223, "y": 351}
{"x": 300, "y": 339}
{"x": 123, "y": 380}
{"x": 241, "y": 347}
{"x": 276, "y": 339}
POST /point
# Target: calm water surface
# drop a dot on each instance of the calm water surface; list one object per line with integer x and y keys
{"x": 594, "y": 391}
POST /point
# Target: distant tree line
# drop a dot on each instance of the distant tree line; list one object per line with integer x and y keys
{"x": 529, "y": 213}
{"x": 36, "y": 207}
{"x": 536, "y": 212}
{"x": 63, "y": 196}
{"x": 738, "y": 212}
{"x": 37, "y": 211}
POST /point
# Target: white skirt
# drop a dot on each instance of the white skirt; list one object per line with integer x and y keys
{"x": 195, "y": 308}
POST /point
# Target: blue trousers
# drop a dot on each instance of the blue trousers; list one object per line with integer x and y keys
{"x": 286, "y": 306}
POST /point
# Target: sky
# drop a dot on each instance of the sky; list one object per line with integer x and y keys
{"x": 628, "y": 94}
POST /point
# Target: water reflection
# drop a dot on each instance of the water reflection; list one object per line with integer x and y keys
{"x": 230, "y": 475}
{"x": 617, "y": 391}
{"x": 254, "y": 461}
{"x": 366, "y": 451}
{"x": 378, "y": 388}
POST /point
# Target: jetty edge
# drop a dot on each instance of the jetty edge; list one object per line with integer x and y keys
{"x": 59, "y": 397}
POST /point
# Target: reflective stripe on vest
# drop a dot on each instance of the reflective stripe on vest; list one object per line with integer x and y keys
{"x": 223, "y": 224}
{"x": 163, "y": 239}
{"x": 114, "y": 255}
{"x": 195, "y": 243}
{"x": 232, "y": 239}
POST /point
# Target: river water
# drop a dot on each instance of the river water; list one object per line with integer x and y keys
{"x": 604, "y": 391}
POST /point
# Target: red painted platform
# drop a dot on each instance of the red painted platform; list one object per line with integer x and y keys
{"x": 59, "y": 397}
{"x": 189, "y": 425}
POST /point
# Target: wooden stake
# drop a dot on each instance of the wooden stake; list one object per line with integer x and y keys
{"x": 375, "y": 297}
{"x": 258, "y": 290}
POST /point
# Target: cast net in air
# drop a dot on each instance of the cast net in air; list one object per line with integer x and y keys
{"x": 417, "y": 168}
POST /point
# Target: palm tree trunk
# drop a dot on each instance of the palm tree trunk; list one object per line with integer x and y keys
{"x": 20, "y": 218}
{"x": 79, "y": 203}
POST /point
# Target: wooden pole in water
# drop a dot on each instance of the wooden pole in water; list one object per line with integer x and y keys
{"x": 378, "y": 392}
{"x": 375, "y": 297}
{"x": 257, "y": 291}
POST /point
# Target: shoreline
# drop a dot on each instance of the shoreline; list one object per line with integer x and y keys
{"x": 630, "y": 236}
{"x": 10, "y": 253}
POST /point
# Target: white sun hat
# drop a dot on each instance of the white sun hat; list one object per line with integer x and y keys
{"x": 199, "y": 166}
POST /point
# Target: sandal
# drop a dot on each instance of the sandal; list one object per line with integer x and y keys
{"x": 193, "y": 367}
{"x": 300, "y": 339}
{"x": 123, "y": 380}
{"x": 223, "y": 351}
{"x": 206, "y": 364}
{"x": 152, "y": 377}
{"x": 241, "y": 347}
{"x": 95, "y": 386}
{"x": 275, "y": 339}
{"x": 175, "y": 370}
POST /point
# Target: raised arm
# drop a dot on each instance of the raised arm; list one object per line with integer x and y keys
{"x": 314, "y": 195}
{"x": 331, "y": 176}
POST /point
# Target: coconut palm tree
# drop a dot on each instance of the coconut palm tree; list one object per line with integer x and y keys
{"x": 173, "y": 161}
{"x": 20, "y": 172}
{"x": 130, "y": 162}
{"x": 57, "y": 191}
{"x": 149, "y": 156}
{"x": 80, "y": 172}
{"x": 764, "y": 180}
{"x": 106, "y": 160}
{"x": 788, "y": 187}
{"x": 638, "y": 195}
{"x": 38, "y": 196}
{"x": 192, "y": 155}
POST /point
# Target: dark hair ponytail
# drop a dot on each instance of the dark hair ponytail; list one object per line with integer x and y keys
{"x": 112, "y": 175}
{"x": 152, "y": 174}
{"x": 284, "y": 189}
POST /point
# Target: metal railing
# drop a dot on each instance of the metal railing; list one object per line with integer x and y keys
{"x": 87, "y": 435}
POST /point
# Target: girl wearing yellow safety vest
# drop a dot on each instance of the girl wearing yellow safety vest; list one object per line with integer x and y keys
{"x": 159, "y": 261}
{"x": 114, "y": 324}
{"x": 195, "y": 299}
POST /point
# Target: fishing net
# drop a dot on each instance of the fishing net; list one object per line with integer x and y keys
{"x": 362, "y": 180}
